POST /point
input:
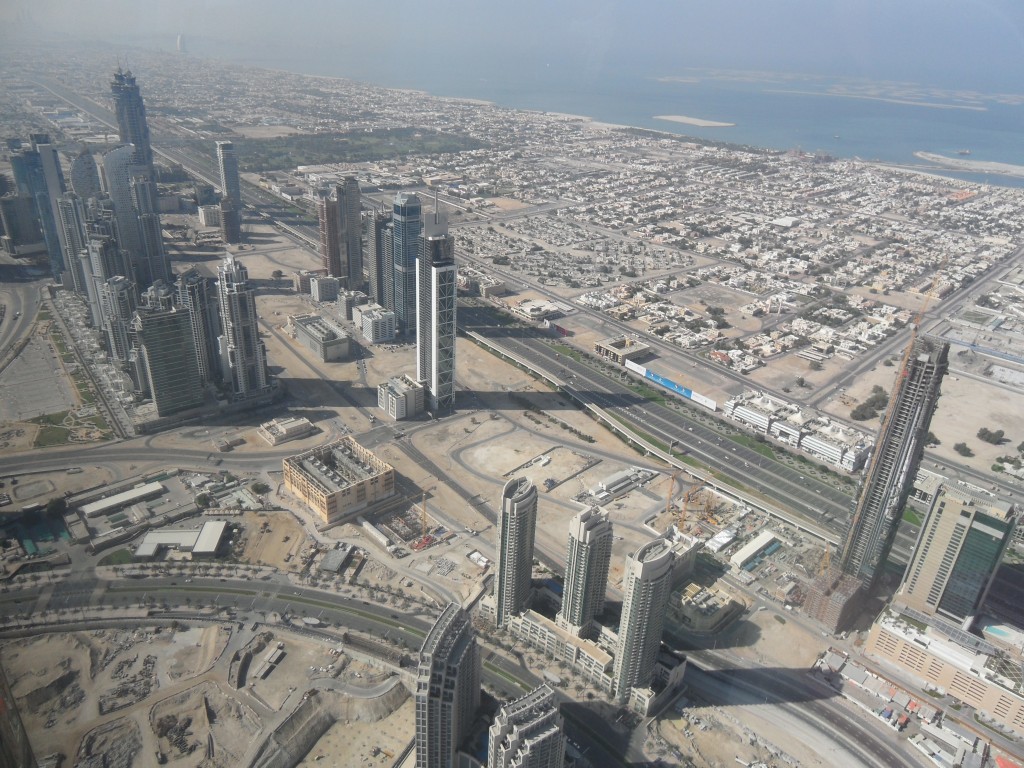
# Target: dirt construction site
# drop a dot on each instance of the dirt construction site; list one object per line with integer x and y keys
{"x": 203, "y": 696}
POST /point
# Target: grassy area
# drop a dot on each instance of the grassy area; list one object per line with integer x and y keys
{"x": 910, "y": 516}
{"x": 754, "y": 444}
{"x": 562, "y": 349}
{"x": 50, "y": 436}
{"x": 501, "y": 673}
{"x": 53, "y": 419}
{"x": 117, "y": 557}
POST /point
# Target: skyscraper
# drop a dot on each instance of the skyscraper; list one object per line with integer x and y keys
{"x": 168, "y": 365}
{"x": 118, "y": 169}
{"x": 407, "y": 223}
{"x": 647, "y": 585}
{"x": 117, "y": 305}
{"x": 894, "y": 462}
{"x": 517, "y": 524}
{"x": 527, "y": 733}
{"x": 71, "y": 219}
{"x": 100, "y": 261}
{"x": 21, "y": 226}
{"x": 377, "y": 257}
{"x": 195, "y": 293}
{"x": 151, "y": 263}
{"x": 447, "y": 688}
{"x": 586, "y": 570}
{"x": 435, "y": 316}
{"x": 958, "y": 551}
{"x": 339, "y": 212}
{"x": 242, "y": 353}
{"x": 37, "y": 173}
{"x": 227, "y": 163}
{"x": 85, "y": 175}
{"x": 132, "y": 127}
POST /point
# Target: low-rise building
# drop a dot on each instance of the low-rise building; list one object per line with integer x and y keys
{"x": 323, "y": 337}
{"x": 339, "y": 479}
{"x": 622, "y": 348}
{"x": 378, "y": 325}
{"x": 401, "y": 397}
{"x": 301, "y": 279}
{"x": 199, "y": 542}
{"x": 280, "y": 431}
{"x": 349, "y": 300}
{"x": 324, "y": 288}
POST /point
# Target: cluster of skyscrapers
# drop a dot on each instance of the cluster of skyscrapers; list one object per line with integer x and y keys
{"x": 174, "y": 336}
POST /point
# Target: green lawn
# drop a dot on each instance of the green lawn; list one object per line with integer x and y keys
{"x": 910, "y": 516}
{"x": 117, "y": 557}
{"x": 50, "y": 436}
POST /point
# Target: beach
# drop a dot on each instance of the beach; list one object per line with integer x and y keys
{"x": 694, "y": 121}
{"x": 974, "y": 166}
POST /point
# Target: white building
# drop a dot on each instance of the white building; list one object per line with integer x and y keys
{"x": 401, "y": 397}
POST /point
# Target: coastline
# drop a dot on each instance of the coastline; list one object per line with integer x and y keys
{"x": 906, "y": 102}
{"x": 694, "y": 121}
{"x": 972, "y": 166}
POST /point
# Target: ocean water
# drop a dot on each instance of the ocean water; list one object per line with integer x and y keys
{"x": 773, "y": 111}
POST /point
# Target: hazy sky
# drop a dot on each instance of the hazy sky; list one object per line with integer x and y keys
{"x": 963, "y": 43}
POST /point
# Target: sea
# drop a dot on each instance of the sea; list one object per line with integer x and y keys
{"x": 840, "y": 116}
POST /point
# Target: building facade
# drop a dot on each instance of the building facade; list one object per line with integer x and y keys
{"x": 517, "y": 525}
{"x": 401, "y": 397}
{"x": 243, "y": 356}
{"x": 958, "y": 551}
{"x": 447, "y": 688}
{"x": 527, "y": 733}
{"x": 586, "y": 570}
{"x": 407, "y": 224}
{"x": 435, "y": 317}
{"x": 647, "y": 585}
{"x": 339, "y": 479}
{"x": 130, "y": 111}
{"x": 894, "y": 462}
{"x": 227, "y": 165}
{"x": 168, "y": 359}
{"x": 195, "y": 293}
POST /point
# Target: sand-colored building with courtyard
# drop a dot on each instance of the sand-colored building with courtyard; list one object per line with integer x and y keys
{"x": 339, "y": 479}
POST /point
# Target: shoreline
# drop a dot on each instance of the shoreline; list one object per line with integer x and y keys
{"x": 972, "y": 166}
{"x": 885, "y": 99}
{"x": 694, "y": 121}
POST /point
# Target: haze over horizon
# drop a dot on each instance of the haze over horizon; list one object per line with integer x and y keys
{"x": 977, "y": 46}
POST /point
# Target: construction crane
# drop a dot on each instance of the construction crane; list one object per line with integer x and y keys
{"x": 689, "y": 496}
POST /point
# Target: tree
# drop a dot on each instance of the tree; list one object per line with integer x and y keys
{"x": 277, "y": 274}
{"x": 203, "y": 500}
{"x": 932, "y": 440}
{"x": 815, "y": 365}
{"x": 56, "y": 507}
{"x": 963, "y": 449}
{"x": 989, "y": 436}
{"x": 260, "y": 488}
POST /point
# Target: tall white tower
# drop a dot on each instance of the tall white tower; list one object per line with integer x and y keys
{"x": 586, "y": 570}
{"x": 242, "y": 353}
{"x": 517, "y": 524}
{"x": 435, "y": 315}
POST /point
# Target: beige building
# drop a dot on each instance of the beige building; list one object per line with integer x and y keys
{"x": 978, "y": 676}
{"x": 280, "y": 431}
{"x": 401, "y": 397}
{"x": 339, "y": 479}
{"x": 619, "y": 349}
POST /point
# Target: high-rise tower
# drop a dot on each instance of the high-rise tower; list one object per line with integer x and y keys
{"x": 447, "y": 688}
{"x": 118, "y": 300}
{"x": 517, "y": 525}
{"x": 195, "y": 293}
{"x": 37, "y": 173}
{"x": 151, "y": 263}
{"x": 227, "y": 163}
{"x": 407, "y": 223}
{"x": 118, "y": 169}
{"x": 242, "y": 353}
{"x": 167, "y": 362}
{"x": 132, "y": 127}
{"x": 527, "y": 733}
{"x": 377, "y": 257}
{"x": 85, "y": 175}
{"x": 586, "y": 570}
{"x": 647, "y": 585}
{"x": 435, "y": 316}
{"x": 958, "y": 551}
{"x": 341, "y": 249}
{"x": 894, "y": 462}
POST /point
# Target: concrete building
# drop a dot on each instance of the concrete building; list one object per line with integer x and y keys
{"x": 897, "y": 453}
{"x": 196, "y": 294}
{"x": 302, "y": 280}
{"x": 209, "y": 215}
{"x": 348, "y": 301}
{"x": 324, "y": 288}
{"x": 71, "y": 220}
{"x": 118, "y": 168}
{"x": 517, "y": 525}
{"x": 151, "y": 262}
{"x": 976, "y": 674}
{"x": 118, "y": 301}
{"x": 447, "y": 688}
{"x": 168, "y": 365}
{"x": 527, "y": 733}
{"x": 401, "y": 397}
{"x": 647, "y": 586}
{"x": 379, "y": 325}
{"x": 619, "y": 349}
{"x": 407, "y": 221}
{"x": 327, "y": 341}
{"x": 435, "y": 316}
{"x": 37, "y": 173}
{"x": 84, "y": 176}
{"x": 377, "y": 256}
{"x": 201, "y": 542}
{"x": 279, "y": 431}
{"x": 958, "y": 551}
{"x": 22, "y": 235}
{"x": 132, "y": 127}
{"x": 230, "y": 221}
{"x": 243, "y": 356}
{"x": 339, "y": 479}
{"x": 339, "y": 215}
{"x": 587, "y": 562}
{"x": 227, "y": 164}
